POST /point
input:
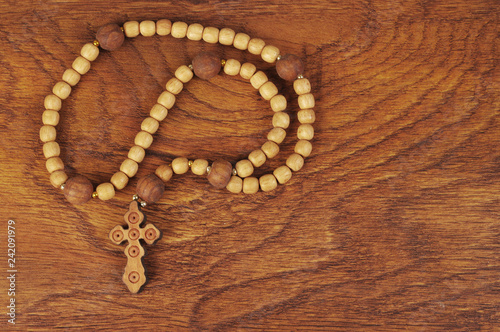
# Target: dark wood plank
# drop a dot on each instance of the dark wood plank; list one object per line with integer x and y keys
{"x": 392, "y": 224}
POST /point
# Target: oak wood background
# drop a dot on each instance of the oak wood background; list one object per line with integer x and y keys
{"x": 392, "y": 224}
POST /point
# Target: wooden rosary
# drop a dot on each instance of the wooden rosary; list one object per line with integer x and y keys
{"x": 221, "y": 174}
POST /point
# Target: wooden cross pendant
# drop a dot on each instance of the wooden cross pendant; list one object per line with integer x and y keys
{"x": 134, "y": 276}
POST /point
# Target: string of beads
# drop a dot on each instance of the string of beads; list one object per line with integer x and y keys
{"x": 220, "y": 173}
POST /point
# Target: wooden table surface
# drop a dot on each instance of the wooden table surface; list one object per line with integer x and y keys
{"x": 392, "y": 224}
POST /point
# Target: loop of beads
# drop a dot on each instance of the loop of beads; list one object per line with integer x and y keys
{"x": 221, "y": 173}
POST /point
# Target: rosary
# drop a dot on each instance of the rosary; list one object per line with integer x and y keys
{"x": 219, "y": 173}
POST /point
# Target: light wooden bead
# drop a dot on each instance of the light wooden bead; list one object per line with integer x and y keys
{"x": 119, "y": 180}
{"x": 81, "y": 65}
{"x": 174, "y": 86}
{"x": 267, "y": 182}
{"x": 306, "y": 101}
{"x": 90, "y": 51}
{"x": 269, "y": 53}
{"x": 105, "y": 191}
{"x": 199, "y": 167}
{"x": 241, "y": 41}
{"x": 136, "y": 153}
{"x": 282, "y": 174}
{"x": 184, "y": 74}
{"x": 250, "y": 185}
{"x": 179, "y": 29}
{"x": 302, "y": 86}
{"x": 278, "y": 103}
{"x": 164, "y": 172}
{"x": 226, "y": 36}
{"x": 257, "y": 157}
{"x": 158, "y": 112}
{"x": 255, "y": 46}
{"x": 295, "y": 162}
{"x": 163, "y": 27}
{"x": 166, "y": 99}
{"x": 232, "y": 67}
{"x": 306, "y": 116}
{"x": 131, "y": 29}
{"x": 271, "y": 149}
{"x": 61, "y": 90}
{"x": 303, "y": 147}
{"x": 147, "y": 28}
{"x": 110, "y": 37}
{"x": 211, "y": 35}
{"x": 143, "y": 139}
{"x": 235, "y": 185}
{"x": 58, "y": 178}
{"x": 50, "y": 118}
{"x": 277, "y": 135}
{"x": 150, "y": 188}
{"x": 78, "y": 190}
{"x": 244, "y": 168}
{"x": 48, "y": 133}
{"x": 180, "y": 165}
{"x": 195, "y": 31}
{"x": 220, "y": 173}
{"x": 258, "y": 79}
{"x": 129, "y": 167}
{"x": 305, "y": 131}
{"x": 247, "y": 70}
{"x": 52, "y": 102}
{"x": 281, "y": 120}
{"x": 51, "y": 149}
{"x": 150, "y": 125}
{"x": 71, "y": 77}
{"x": 54, "y": 164}
{"x": 268, "y": 90}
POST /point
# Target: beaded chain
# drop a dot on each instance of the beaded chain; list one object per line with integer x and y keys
{"x": 220, "y": 173}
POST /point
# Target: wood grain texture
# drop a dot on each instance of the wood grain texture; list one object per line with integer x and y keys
{"x": 392, "y": 224}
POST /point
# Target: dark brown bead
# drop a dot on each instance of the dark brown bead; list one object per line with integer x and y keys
{"x": 206, "y": 65}
{"x": 110, "y": 37}
{"x": 220, "y": 173}
{"x": 289, "y": 67}
{"x": 78, "y": 190}
{"x": 150, "y": 188}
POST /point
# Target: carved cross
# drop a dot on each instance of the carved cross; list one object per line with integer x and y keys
{"x": 134, "y": 276}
